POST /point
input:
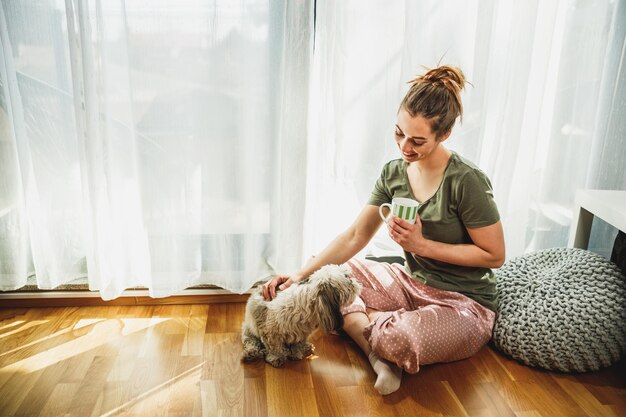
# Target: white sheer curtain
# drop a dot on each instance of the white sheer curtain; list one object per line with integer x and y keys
{"x": 165, "y": 144}
{"x": 545, "y": 114}
{"x": 151, "y": 143}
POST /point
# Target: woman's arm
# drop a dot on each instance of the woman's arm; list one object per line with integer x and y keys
{"x": 487, "y": 250}
{"x": 340, "y": 250}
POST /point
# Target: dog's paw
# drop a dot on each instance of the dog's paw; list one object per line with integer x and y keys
{"x": 253, "y": 348}
{"x": 275, "y": 361}
{"x": 300, "y": 351}
{"x": 252, "y": 352}
{"x": 308, "y": 349}
{"x": 249, "y": 356}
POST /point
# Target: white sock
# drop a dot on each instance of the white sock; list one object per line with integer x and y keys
{"x": 389, "y": 375}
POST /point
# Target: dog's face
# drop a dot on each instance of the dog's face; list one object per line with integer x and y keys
{"x": 334, "y": 289}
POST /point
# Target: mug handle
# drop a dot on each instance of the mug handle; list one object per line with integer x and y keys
{"x": 380, "y": 211}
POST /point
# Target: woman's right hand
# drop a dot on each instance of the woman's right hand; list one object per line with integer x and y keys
{"x": 281, "y": 281}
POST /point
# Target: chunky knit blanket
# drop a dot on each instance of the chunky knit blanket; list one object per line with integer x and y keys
{"x": 561, "y": 309}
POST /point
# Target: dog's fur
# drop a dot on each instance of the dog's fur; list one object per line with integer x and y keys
{"x": 278, "y": 330}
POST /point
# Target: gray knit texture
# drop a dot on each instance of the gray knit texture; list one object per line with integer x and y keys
{"x": 561, "y": 309}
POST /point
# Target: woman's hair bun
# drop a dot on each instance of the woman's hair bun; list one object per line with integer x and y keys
{"x": 436, "y": 95}
{"x": 450, "y": 77}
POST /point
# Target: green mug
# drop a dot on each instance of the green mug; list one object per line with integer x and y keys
{"x": 404, "y": 208}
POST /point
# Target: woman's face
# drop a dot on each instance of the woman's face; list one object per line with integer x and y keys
{"x": 414, "y": 137}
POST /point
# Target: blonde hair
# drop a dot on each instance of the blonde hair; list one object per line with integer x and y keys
{"x": 436, "y": 96}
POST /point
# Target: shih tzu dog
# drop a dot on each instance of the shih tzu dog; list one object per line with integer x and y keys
{"x": 278, "y": 330}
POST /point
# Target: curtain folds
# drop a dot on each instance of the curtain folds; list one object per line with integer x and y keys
{"x": 166, "y": 144}
{"x": 147, "y": 143}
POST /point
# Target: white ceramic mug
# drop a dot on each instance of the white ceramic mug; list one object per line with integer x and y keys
{"x": 404, "y": 208}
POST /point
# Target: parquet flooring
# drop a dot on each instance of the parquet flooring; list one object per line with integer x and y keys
{"x": 183, "y": 360}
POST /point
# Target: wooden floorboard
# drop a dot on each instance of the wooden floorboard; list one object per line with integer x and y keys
{"x": 184, "y": 360}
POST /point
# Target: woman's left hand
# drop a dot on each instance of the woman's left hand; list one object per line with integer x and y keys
{"x": 407, "y": 235}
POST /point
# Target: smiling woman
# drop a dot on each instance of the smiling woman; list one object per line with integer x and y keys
{"x": 411, "y": 145}
{"x": 441, "y": 306}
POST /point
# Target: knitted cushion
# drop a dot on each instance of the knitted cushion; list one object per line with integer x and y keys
{"x": 561, "y": 309}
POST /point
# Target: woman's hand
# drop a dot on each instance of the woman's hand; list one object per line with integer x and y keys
{"x": 407, "y": 235}
{"x": 281, "y": 281}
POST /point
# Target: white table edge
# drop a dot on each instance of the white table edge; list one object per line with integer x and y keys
{"x": 609, "y": 205}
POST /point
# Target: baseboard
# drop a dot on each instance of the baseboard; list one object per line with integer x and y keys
{"x": 128, "y": 298}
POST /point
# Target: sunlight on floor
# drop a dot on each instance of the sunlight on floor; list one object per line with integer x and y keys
{"x": 102, "y": 332}
{"x": 29, "y": 325}
{"x": 157, "y": 397}
{"x": 35, "y": 342}
{"x": 12, "y": 324}
{"x": 86, "y": 322}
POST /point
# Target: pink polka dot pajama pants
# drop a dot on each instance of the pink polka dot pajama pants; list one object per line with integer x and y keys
{"x": 420, "y": 324}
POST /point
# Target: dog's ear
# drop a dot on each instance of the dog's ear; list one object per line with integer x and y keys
{"x": 346, "y": 270}
{"x": 329, "y": 308}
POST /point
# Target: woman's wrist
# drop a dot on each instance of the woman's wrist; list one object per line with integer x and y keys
{"x": 296, "y": 277}
{"x": 422, "y": 247}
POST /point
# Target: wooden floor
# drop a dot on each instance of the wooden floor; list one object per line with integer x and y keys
{"x": 183, "y": 360}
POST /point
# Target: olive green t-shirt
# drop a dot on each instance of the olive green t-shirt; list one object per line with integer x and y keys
{"x": 463, "y": 200}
